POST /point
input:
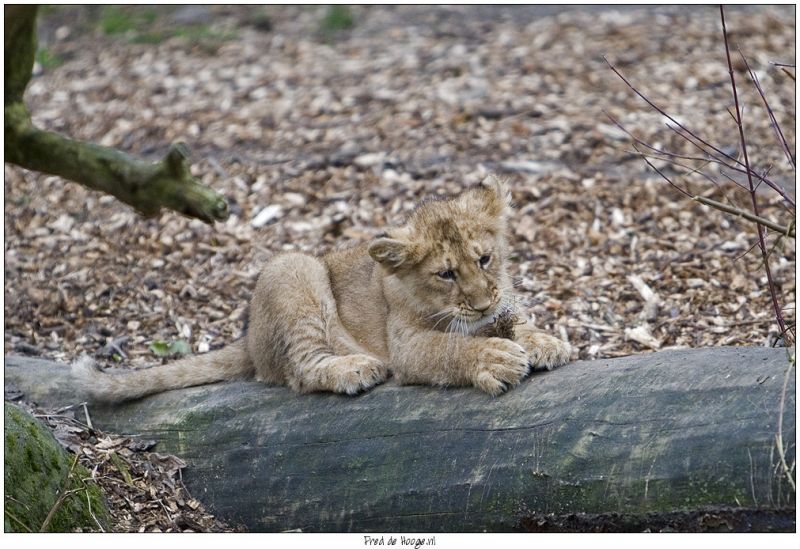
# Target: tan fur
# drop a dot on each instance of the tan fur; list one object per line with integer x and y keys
{"x": 342, "y": 322}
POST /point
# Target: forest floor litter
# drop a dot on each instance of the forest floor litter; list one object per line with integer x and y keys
{"x": 320, "y": 138}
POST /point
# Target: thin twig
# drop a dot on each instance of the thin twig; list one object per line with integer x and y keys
{"x": 707, "y": 158}
{"x": 769, "y": 169}
{"x": 18, "y": 502}
{"x": 747, "y": 171}
{"x": 786, "y": 231}
{"x": 738, "y": 257}
{"x": 774, "y": 247}
{"x": 670, "y": 118}
{"x": 69, "y": 418}
{"x": 166, "y": 512}
{"x": 761, "y": 241}
{"x": 88, "y": 419}
{"x": 13, "y": 517}
{"x": 694, "y": 170}
{"x": 714, "y": 182}
{"x": 65, "y": 408}
{"x": 64, "y": 495}
{"x": 659, "y": 172}
{"x": 89, "y": 503}
{"x": 772, "y": 119}
{"x": 732, "y": 180}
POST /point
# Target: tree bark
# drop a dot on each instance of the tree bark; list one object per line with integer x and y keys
{"x": 146, "y": 186}
{"x": 642, "y": 440}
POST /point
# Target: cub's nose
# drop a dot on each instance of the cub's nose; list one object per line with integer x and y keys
{"x": 481, "y": 305}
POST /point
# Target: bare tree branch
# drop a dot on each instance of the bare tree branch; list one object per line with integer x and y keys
{"x": 146, "y": 186}
{"x": 775, "y": 126}
{"x": 786, "y": 231}
{"x": 759, "y": 228}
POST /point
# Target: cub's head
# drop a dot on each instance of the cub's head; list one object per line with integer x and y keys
{"x": 447, "y": 265}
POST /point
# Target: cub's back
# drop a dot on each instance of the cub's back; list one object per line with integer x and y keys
{"x": 356, "y": 286}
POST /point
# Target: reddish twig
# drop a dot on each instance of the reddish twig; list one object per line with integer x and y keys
{"x": 769, "y": 169}
{"x": 663, "y": 152}
{"x": 690, "y": 169}
{"x": 749, "y": 172}
{"x": 732, "y": 180}
{"x": 708, "y": 158}
{"x": 772, "y": 119}
{"x": 670, "y": 118}
{"x": 759, "y": 228}
{"x": 659, "y": 172}
{"x": 750, "y": 249}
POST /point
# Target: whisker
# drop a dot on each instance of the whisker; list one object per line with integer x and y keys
{"x": 450, "y": 347}
{"x": 438, "y": 321}
{"x": 510, "y": 286}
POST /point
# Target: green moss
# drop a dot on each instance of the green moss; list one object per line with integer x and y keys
{"x": 142, "y": 25}
{"x": 126, "y": 19}
{"x": 20, "y": 24}
{"x": 117, "y": 20}
{"x": 147, "y": 187}
{"x": 36, "y": 472}
{"x": 261, "y": 20}
{"x": 47, "y": 59}
{"x": 338, "y": 17}
{"x": 50, "y": 9}
{"x": 204, "y": 421}
{"x": 152, "y": 37}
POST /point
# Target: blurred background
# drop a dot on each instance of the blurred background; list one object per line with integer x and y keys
{"x": 321, "y": 124}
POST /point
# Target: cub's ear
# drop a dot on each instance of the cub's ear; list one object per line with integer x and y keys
{"x": 495, "y": 195}
{"x": 389, "y": 252}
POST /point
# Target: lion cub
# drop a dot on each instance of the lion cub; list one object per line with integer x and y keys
{"x": 420, "y": 301}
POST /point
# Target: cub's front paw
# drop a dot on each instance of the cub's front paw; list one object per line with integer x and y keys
{"x": 545, "y": 351}
{"x": 501, "y": 364}
{"x": 353, "y": 374}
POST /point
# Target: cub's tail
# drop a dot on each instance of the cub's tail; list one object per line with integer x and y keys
{"x": 227, "y": 363}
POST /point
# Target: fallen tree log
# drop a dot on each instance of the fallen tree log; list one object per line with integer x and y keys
{"x": 675, "y": 436}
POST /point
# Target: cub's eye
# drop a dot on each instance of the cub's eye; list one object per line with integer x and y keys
{"x": 484, "y": 260}
{"x": 446, "y": 275}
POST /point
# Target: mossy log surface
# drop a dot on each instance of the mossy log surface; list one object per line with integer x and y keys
{"x": 37, "y": 473}
{"x": 641, "y": 438}
{"x": 146, "y": 186}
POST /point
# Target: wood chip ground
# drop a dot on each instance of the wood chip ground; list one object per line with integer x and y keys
{"x": 321, "y": 139}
